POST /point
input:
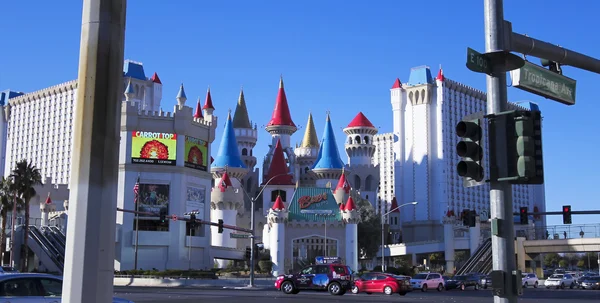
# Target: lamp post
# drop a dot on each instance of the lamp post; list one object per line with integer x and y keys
{"x": 383, "y": 232}
{"x": 252, "y": 201}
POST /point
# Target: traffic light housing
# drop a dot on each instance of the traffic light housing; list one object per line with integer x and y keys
{"x": 566, "y": 210}
{"x": 163, "y": 215}
{"x": 220, "y": 226}
{"x": 470, "y": 149}
{"x": 192, "y": 220}
{"x": 552, "y": 66}
{"x": 248, "y": 252}
{"x": 469, "y": 218}
{"x": 524, "y": 217}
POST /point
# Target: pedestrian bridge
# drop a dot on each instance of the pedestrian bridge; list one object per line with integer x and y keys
{"x": 227, "y": 253}
{"x": 562, "y": 245}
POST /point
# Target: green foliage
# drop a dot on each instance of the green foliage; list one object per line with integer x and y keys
{"x": 563, "y": 263}
{"x": 265, "y": 266}
{"x": 551, "y": 259}
{"x": 581, "y": 263}
{"x": 436, "y": 258}
{"x": 368, "y": 228}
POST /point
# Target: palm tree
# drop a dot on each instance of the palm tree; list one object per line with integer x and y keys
{"x": 7, "y": 195}
{"x": 26, "y": 176}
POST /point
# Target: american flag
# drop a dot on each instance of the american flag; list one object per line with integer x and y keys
{"x": 136, "y": 189}
{"x": 223, "y": 184}
{"x": 346, "y": 185}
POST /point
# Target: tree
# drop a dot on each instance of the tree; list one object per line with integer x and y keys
{"x": 563, "y": 263}
{"x": 7, "y": 198}
{"x": 26, "y": 176}
{"x": 551, "y": 259}
{"x": 370, "y": 225}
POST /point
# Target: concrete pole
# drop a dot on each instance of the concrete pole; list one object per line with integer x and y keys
{"x": 90, "y": 252}
{"x": 501, "y": 205}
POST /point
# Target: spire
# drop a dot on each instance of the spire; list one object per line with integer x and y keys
{"x": 278, "y": 205}
{"x": 394, "y": 206}
{"x": 155, "y": 78}
{"x": 440, "y": 75}
{"x": 278, "y": 170}
{"x": 397, "y": 84}
{"x": 129, "y": 92}
{"x": 225, "y": 182}
{"x": 181, "y": 93}
{"x": 48, "y": 200}
{"x": 342, "y": 183}
{"x": 310, "y": 134}
{"x": 281, "y": 113}
{"x": 350, "y": 206}
{"x": 342, "y": 206}
{"x": 240, "y": 117}
{"x": 329, "y": 155}
{"x": 360, "y": 121}
{"x": 198, "y": 111}
{"x": 208, "y": 103}
{"x": 229, "y": 154}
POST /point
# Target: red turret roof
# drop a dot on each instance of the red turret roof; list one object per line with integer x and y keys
{"x": 48, "y": 200}
{"x": 343, "y": 184}
{"x": 342, "y": 206}
{"x": 212, "y": 159}
{"x": 394, "y": 206}
{"x": 278, "y": 169}
{"x": 281, "y": 113}
{"x": 225, "y": 182}
{"x": 198, "y": 112}
{"x": 278, "y": 205}
{"x": 208, "y": 103}
{"x": 440, "y": 75}
{"x": 397, "y": 84}
{"x": 350, "y": 204}
{"x": 360, "y": 121}
{"x": 155, "y": 78}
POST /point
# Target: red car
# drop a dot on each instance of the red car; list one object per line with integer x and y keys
{"x": 382, "y": 283}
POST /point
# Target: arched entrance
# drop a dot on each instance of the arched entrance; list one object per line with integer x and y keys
{"x": 306, "y": 249}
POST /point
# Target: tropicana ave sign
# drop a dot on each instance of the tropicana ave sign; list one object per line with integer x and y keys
{"x": 545, "y": 83}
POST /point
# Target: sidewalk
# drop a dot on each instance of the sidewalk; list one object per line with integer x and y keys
{"x": 229, "y": 283}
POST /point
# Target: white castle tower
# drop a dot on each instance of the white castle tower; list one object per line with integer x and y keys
{"x": 351, "y": 218}
{"x": 306, "y": 154}
{"x": 328, "y": 166}
{"x": 227, "y": 196}
{"x": 277, "y": 220}
{"x": 360, "y": 150}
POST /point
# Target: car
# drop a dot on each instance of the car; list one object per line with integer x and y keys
{"x": 375, "y": 282}
{"x": 560, "y": 281}
{"x": 462, "y": 282}
{"x": 34, "y": 287}
{"x": 425, "y": 281}
{"x": 529, "y": 279}
{"x": 486, "y": 282}
{"x": 590, "y": 282}
{"x": 7, "y": 269}
{"x": 335, "y": 278}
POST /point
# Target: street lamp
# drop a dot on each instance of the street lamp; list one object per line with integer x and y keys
{"x": 252, "y": 201}
{"x": 383, "y": 232}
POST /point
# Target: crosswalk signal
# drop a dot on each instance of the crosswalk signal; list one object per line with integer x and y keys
{"x": 567, "y": 214}
{"x": 470, "y": 150}
{"x": 552, "y": 66}
{"x": 192, "y": 220}
{"x": 163, "y": 215}
{"x": 524, "y": 218}
{"x": 220, "y": 226}
{"x": 248, "y": 252}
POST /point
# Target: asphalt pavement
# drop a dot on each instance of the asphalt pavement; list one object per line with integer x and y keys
{"x": 230, "y": 295}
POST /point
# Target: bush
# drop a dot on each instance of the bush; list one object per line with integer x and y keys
{"x": 170, "y": 273}
{"x": 265, "y": 265}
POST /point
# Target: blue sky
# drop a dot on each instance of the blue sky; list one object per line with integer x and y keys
{"x": 341, "y": 56}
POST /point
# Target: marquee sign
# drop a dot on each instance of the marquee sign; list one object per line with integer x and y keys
{"x": 306, "y": 201}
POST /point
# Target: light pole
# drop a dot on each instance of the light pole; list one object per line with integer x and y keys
{"x": 252, "y": 201}
{"x": 383, "y": 232}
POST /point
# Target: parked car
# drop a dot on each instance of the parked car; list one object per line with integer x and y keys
{"x": 590, "y": 282}
{"x": 388, "y": 284}
{"x": 29, "y": 287}
{"x": 462, "y": 282}
{"x": 335, "y": 278}
{"x": 529, "y": 279}
{"x": 560, "y": 281}
{"x": 486, "y": 282}
{"x": 425, "y": 281}
{"x": 7, "y": 269}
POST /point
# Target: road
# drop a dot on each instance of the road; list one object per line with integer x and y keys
{"x": 156, "y": 295}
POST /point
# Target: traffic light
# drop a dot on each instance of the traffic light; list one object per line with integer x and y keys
{"x": 469, "y": 218}
{"x": 470, "y": 150}
{"x": 524, "y": 218}
{"x": 567, "y": 214}
{"x": 248, "y": 252}
{"x": 220, "y": 226}
{"x": 163, "y": 215}
{"x": 192, "y": 220}
{"x": 552, "y": 66}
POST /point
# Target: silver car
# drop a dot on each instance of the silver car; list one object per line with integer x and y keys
{"x": 34, "y": 288}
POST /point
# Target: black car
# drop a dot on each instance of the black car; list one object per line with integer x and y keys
{"x": 335, "y": 278}
{"x": 462, "y": 282}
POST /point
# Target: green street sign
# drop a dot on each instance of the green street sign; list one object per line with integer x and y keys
{"x": 545, "y": 83}
{"x": 478, "y": 62}
{"x": 239, "y": 236}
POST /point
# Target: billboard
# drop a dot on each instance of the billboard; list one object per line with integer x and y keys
{"x": 196, "y": 153}
{"x": 153, "y": 198}
{"x": 153, "y": 148}
{"x": 194, "y": 201}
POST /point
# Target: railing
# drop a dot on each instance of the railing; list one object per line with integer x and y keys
{"x": 555, "y": 232}
{"x": 481, "y": 255}
{"x": 37, "y": 236}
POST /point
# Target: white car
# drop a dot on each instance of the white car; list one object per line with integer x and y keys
{"x": 425, "y": 281}
{"x": 560, "y": 281}
{"x": 529, "y": 280}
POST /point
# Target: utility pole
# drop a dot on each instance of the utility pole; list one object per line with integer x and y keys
{"x": 501, "y": 204}
{"x": 90, "y": 250}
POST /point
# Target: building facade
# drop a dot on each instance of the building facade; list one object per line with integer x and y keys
{"x": 384, "y": 158}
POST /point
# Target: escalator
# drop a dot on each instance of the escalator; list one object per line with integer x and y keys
{"x": 56, "y": 239}
{"x": 48, "y": 254}
{"x": 480, "y": 262}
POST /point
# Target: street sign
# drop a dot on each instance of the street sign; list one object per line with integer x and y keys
{"x": 545, "y": 83}
{"x": 174, "y": 217}
{"x": 239, "y": 236}
{"x": 478, "y": 62}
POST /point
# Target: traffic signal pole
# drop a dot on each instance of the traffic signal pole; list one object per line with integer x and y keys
{"x": 501, "y": 204}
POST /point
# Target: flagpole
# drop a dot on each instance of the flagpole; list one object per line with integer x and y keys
{"x": 137, "y": 223}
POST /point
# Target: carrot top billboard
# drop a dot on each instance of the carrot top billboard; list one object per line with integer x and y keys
{"x": 196, "y": 153}
{"x": 153, "y": 148}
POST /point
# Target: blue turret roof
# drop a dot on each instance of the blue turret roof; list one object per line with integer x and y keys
{"x": 420, "y": 75}
{"x": 7, "y": 94}
{"x": 134, "y": 70}
{"x": 229, "y": 154}
{"x": 181, "y": 93}
{"x": 329, "y": 155}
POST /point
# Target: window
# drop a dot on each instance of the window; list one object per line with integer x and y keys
{"x": 152, "y": 224}
{"x": 309, "y": 270}
{"x": 278, "y": 192}
{"x": 19, "y": 288}
{"x": 198, "y": 231}
{"x": 51, "y": 287}
{"x": 244, "y": 152}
